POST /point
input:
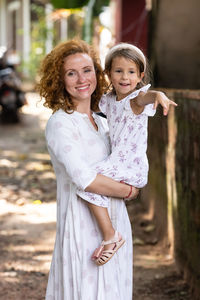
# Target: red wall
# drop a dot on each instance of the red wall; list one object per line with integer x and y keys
{"x": 132, "y": 18}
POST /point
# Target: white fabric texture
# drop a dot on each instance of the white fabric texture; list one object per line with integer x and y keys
{"x": 128, "y": 134}
{"x": 74, "y": 146}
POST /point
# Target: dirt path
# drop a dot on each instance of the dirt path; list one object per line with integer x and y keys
{"x": 27, "y": 219}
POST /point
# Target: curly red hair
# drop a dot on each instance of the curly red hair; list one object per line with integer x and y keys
{"x": 51, "y": 85}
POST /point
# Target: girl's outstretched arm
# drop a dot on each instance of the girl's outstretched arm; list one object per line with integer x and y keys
{"x": 155, "y": 97}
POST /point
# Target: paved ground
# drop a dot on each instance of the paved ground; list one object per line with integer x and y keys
{"x": 27, "y": 220}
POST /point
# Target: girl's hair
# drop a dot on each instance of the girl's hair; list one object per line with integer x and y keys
{"x": 132, "y": 53}
{"x": 51, "y": 85}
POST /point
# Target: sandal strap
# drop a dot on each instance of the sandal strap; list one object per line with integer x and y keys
{"x": 97, "y": 252}
{"x": 115, "y": 239}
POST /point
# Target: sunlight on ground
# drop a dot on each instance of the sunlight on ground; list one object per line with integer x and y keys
{"x": 33, "y": 155}
{"x": 27, "y": 202}
{"x": 35, "y": 107}
{"x": 153, "y": 260}
{"x": 30, "y": 213}
{"x": 7, "y": 163}
{"x": 33, "y": 228}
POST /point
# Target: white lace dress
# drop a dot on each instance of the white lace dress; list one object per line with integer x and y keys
{"x": 128, "y": 134}
{"x": 74, "y": 146}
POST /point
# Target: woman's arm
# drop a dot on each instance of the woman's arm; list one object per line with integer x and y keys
{"x": 155, "y": 97}
{"x": 106, "y": 186}
{"x": 65, "y": 146}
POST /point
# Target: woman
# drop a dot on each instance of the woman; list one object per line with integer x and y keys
{"x": 72, "y": 83}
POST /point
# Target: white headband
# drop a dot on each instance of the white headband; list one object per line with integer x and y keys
{"x": 122, "y": 46}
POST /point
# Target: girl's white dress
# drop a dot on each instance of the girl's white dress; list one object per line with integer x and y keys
{"x": 74, "y": 146}
{"x": 128, "y": 134}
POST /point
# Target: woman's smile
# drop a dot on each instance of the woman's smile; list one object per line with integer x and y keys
{"x": 83, "y": 88}
{"x": 80, "y": 77}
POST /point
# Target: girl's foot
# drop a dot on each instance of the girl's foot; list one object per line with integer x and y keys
{"x": 107, "y": 249}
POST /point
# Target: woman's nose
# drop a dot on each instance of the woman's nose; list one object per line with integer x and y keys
{"x": 81, "y": 77}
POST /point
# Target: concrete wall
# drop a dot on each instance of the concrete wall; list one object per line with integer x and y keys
{"x": 174, "y": 189}
{"x": 175, "y": 43}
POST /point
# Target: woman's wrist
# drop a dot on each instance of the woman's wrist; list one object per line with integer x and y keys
{"x": 133, "y": 193}
{"x": 129, "y": 194}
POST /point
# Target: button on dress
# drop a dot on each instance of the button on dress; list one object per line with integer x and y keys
{"x": 75, "y": 147}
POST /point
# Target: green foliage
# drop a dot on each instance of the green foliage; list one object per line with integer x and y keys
{"x": 39, "y": 34}
{"x": 98, "y": 7}
{"x": 94, "y": 8}
{"x": 99, "y": 4}
{"x": 69, "y": 3}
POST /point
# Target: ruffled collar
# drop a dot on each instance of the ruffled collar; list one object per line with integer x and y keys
{"x": 135, "y": 93}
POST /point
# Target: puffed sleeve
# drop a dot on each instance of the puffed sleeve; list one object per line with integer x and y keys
{"x": 103, "y": 104}
{"x": 65, "y": 147}
{"x": 149, "y": 110}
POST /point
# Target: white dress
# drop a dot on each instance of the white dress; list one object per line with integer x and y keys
{"x": 128, "y": 134}
{"x": 74, "y": 145}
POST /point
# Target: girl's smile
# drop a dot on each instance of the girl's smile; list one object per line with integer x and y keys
{"x": 124, "y": 76}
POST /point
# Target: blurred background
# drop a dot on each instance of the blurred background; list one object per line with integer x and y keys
{"x": 167, "y": 33}
{"x": 166, "y": 217}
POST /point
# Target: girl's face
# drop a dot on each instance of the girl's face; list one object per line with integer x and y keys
{"x": 79, "y": 77}
{"x": 124, "y": 76}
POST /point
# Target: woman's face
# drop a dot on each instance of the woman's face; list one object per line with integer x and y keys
{"x": 79, "y": 76}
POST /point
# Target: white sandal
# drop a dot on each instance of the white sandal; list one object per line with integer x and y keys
{"x": 101, "y": 256}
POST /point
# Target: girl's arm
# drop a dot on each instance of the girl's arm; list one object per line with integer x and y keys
{"x": 155, "y": 97}
{"x": 106, "y": 186}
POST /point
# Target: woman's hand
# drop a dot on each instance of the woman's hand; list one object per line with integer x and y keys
{"x": 163, "y": 100}
{"x": 133, "y": 193}
{"x": 106, "y": 186}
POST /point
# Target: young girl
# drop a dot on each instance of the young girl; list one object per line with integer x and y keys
{"x": 127, "y": 108}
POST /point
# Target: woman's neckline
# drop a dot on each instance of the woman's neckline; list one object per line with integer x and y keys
{"x": 85, "y": 115}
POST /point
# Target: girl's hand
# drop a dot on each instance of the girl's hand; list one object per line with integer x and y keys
{"x": 163, "y": 100}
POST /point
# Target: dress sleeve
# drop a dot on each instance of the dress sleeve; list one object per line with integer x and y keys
{"x": 149, "y": 110}
{"x": 65, "y": 146}
{"x": 103, "y": 104}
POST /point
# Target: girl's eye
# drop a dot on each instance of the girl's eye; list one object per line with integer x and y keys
{"x": 132, "y": 72}
{"x": 117, "y": 70}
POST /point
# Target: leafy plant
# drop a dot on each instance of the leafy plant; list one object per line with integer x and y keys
{"x": 69, "y": 3}
{"x": 39, "y": 34}
{"x": 92, "y": 10}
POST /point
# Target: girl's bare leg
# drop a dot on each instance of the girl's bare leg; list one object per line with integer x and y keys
{"x": 103, "y": 219}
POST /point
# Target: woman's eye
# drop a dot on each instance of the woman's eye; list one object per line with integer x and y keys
{"x": 70, "y": 73}
{"x": 87, "y": 70}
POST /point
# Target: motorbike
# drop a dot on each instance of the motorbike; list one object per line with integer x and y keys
{"x": 12, "y": 98}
